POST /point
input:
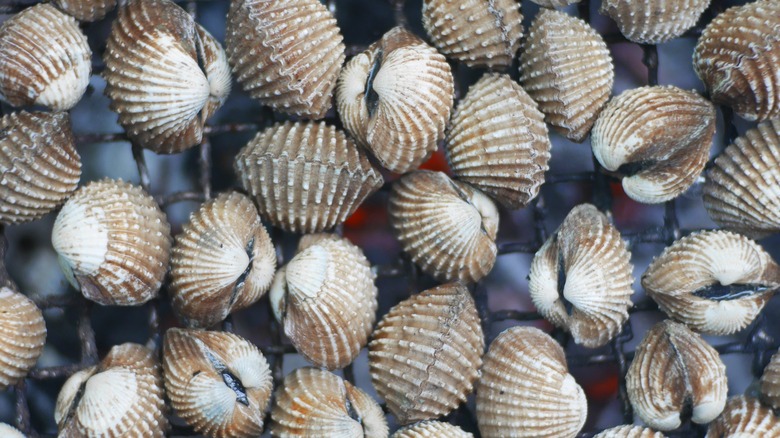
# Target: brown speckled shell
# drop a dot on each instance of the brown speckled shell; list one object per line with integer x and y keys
{"x": 770, "y": 382}
{"x": 744, "y": 417}
{"x": 22, "y": 336}
{"x": 431, "y": 429}
{"x": 86, "y": 10}
{"x": 654, "y": 21}
{"x": 629, "y": 431}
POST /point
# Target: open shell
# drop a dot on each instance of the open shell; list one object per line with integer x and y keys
{"x": 22, "y": 336}
{"x": 86, "y": 10}
{"x": 431, "y": 429}
{"x": 629, "y": 431}
{"x": 654, "y": 21}
{"x": 770, "y": 382}
{"x": 744, "y": 417}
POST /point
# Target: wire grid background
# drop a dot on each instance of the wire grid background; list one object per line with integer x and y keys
{"x": 83, "y": 332}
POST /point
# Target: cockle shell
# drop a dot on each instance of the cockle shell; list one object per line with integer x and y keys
{"x": 581, "y": 277}
{"x": 630, "y": 431}
{"x": 475, "y": 32}
{"x": 287, "y": 55}
{"x": 566, "y": 68}
{"x": 325, "y": 298}
{"x": 657, "y": 138}
{"x": 306, "y": 177}
{"x": 737, "y": 57}
{"x": 86, "y": 10}
{"x": 165, "y": 75}
{"x": 222, "y": 261}
{"x": 555, "y": 3}
{"x": 395, "y": 99}
{"x": 113, "y": 242}
{"x": 744, "y": 417}
{"x": 22, "y": 336}
{"x": 431, "y": 429}
{"x": 676, "y": 373}
{"x": 318, "y": 403}
{"x": 120, "y": 397}
{"x": 654, "y": 21}
{"x": 10, "y": 432}
{"x": 716, "y": 282}
{"x": 526, "y": 389}
{"x": 447, "y": 227}
{"x": 218, "y": 382}
{"x": 770, "y": 382}
{"x": 497, "y": 141}
{"x": 425, "y": 353}
{"x": 39, "y": 164}
{"x": 44, "y": 59}
{"x": 740, "y": 192}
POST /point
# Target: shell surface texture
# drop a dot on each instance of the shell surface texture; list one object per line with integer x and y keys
{"x": 86, "y": 10}
{"x": 22, "y": 336}
{"x": 770, "y": 382}
{"x": 656, "y": 138}
{"x": 431, "y": 429}
{"x": 629, "y": 431}
{"x": 555, "y": 3}
{"x": 745, "y": 417}
{"x": 395, "y": 99}
{"x": 654, "y": 21}
{"x": 8, "y": 431}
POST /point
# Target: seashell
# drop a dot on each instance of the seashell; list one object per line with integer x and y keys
{"x": 581, "y": 278}
{"x": 716, "y": 282}
{"x": 654, "y": 21}
{"x": 306, "y": 177}
{"x": 676, "y": 374}
{"x": 744, "y": 417}
{"x": 39, "y": 165}
{"x": 566, "y": 67}
{"x": 314, "y": 402}
{"x": 22, "y": 336}
{"x": 477, "y": 33}
{"x": 325, "y": 298}
{"x": 656, "y": 138}
{"x": 166, "y": 83}
{"x": 286, "y": 55}
{"x": 526, "y": 389}
{"x": 113, "y": 243}
{"x": 497, "y": 141}
{"x": 395, "y": 99}
{"x": 432, "y": 429}
{"x": 425, "y": 353}
{"x": 218, "y": 382}
{"x": 8, "y": 431}
{"x": 737, "y": 57}
{"x": 86, "y": 10}
{"x": 555, "y": 3}
{"x": 740, "y": 191}
{"x": 222, "y": 261}
{"x": 45, "y": 59}
{"x": 630, "y": 431}
{"x": 120, "y": 397}
{"x": 770, "y": 382}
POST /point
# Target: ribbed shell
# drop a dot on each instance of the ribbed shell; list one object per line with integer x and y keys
{"x": 497, "y": 141}
{"x": 22, "y": 336}
{"x": 476, "y": 32}
{"x": 526, "y": 389}
{"x": 596, "y": 277}
{"x": 306, "y": 177}
{"x": 285, "y": 54}
{"x": 425, "y": 353}
{"x": 10, "y": 432}
{"x": 86, "y": 10}
{"x": 447, "y": 227}
{"x": 716, "y": 282}
{"x": 316, "y": 403}
{"x": 45, "y": 59}
{"x": 675, "y": 370}
{"x": 737, "y": 57}
{"x": 120, "y": 397}
{"x": 395, "y": 99}
{"x": 222, "y": 261}
{"x": 325, "y": 298}
{"x": 113, "y": 242}
{"x": 653, "y": 21}
{"x": 740, "y": 192}
{"x": 555, "y": 3}
{"x": 566, "y": 67}
{"x": 744, "y": 417}
{"x": 630, "y": 431}
{"x": 218, "y": 382}
{"x": 39, "y": 164}
{"x": 657, "y": 138}
{"x": 770, "y": 382}
{"x": 431, "y": 429}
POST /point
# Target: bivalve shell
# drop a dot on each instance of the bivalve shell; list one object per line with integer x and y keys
{"x": 431, "y": 429}
{"x": 555, "y": 3}
{"x": 22, "y": 336}
{"x": 86, "y": 10}
{"x": 654, "y": 21}
{"x": 770, "y": 382}
{"x": 744, "y": 417}
{"x": 10, "y": 432}
{"x": 629, "y": 431}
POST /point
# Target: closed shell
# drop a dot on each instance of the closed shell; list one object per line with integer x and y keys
{"x": 22, "y": 336}
{"x": 555, "y": 3}
{"x": 770, "y": 382}
{"x": 654, "y": 21}
{"x": 432, "y": 429}
{"x": 630, "y": 432}
{"x": 86, "y": 10}
{"x": 744, "y": 417}
{"x": 10, "y": 432}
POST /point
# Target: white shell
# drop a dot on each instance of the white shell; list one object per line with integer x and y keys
{"x": 431, "y": 429}
{"x": 7, "y": 431}
{"x": 630, "y": 432}
{"x": 654, "y": 21}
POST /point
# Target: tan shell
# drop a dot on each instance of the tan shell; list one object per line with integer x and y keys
{"x": 22, "y": 336}
{"x": 657, "y": 138}
{"x": 555, "y": 3}
{"x": 45, "y": 59}
{"x": 395, "y": 99}
{"x": 740, "y": 191}
{"x": 675, "y": 372}
{"x": 165, "y": 83}
{"x": 325, "y": 298}
{"x": 716, "y": 282}
{"x": 39, "y": 165}
{"x": 770, "y": 382}
{"x": 737, "y": 57}
{"x": 113, "y": 243}
{"x": 654, "y": 21}
{"x": 120, "y": 397}
{"x": 475, "y": 32}
{"x": 218, "y": 382}
{"x": 431, "y": 429}
{"x": 425, "y": 353}
{"x": 566, "y": 67}
{"x": 629, "y": 431}
{"x": 316, "y": 403}
{"x": 744, "y": 417}
{"x": 497, "y": 141}
{"x": 584, "y": 265}
{"x": 287, "y": 55}
{"x": 86, "y": 10}
{"x": 222, "y": 261}
{"x": 306, "y": 177}
{"x": 10, "y": 432}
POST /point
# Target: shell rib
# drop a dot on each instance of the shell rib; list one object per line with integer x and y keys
{"x": 425, "y": 353}
{"x": 744, "y": 417}
{"x": 44, "y": 59}
{"x": 770, "y": 382}
{"x": 22, "y": 336}
{"x": 497, "y": 141}
{"x": 654, "y": 21}
{"x": 555, "y": 3}
{"x": 630, "y": 432}
{"x": 10, "y": 432}
{"x": 431, "y": 429}
{"x": 86, "y": 10}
